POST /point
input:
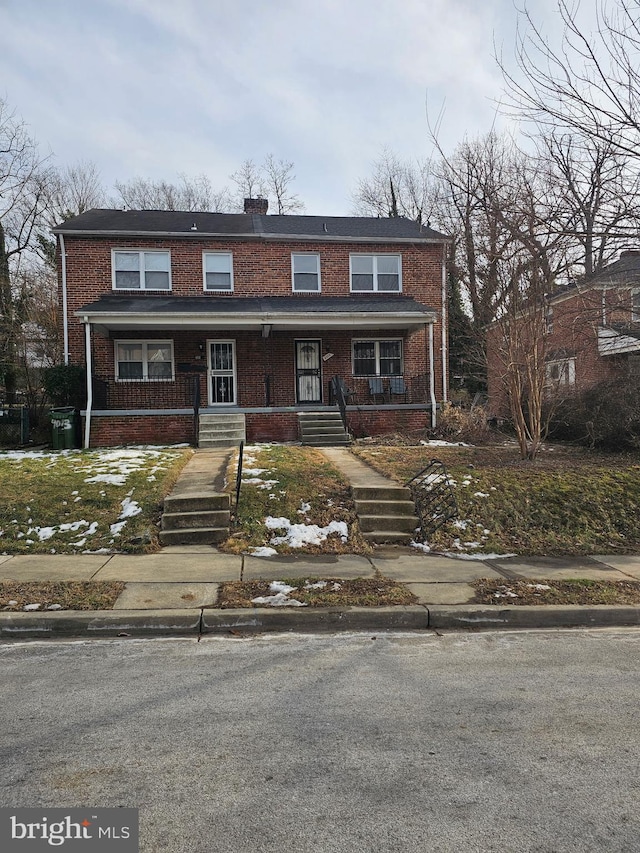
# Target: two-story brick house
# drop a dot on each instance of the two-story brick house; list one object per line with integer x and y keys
{"x": 586, "y": 333}
{"x": 256, "y": 313}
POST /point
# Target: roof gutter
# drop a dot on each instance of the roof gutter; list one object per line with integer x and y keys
{"x": 253, "y": 235}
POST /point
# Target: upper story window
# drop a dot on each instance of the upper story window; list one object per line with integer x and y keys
{"x": 635, "y": 306}
{"x": 144, "y": 360}
{"x": 381, "y": 273}
{"x": 305, "y": 270}
{"x": 141, "y": 270}
{"x": 548, "y": 319}
{"x": 218, "y": 271}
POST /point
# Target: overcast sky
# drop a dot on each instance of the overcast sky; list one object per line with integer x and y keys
{"x": 153, "y": 88}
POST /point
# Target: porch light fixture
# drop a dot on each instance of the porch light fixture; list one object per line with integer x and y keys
{"x": 201, "y": 348}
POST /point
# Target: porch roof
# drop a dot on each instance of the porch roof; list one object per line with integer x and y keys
{"x": 114, "y": 312}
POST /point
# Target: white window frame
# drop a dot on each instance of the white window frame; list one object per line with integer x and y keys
{"x": 375, "y": 270}
{"x": 566, "y": 373}
{"x": 204, "y": 273}
{"x": 145, "y": 359}
{"x": 376, "y": 342}
{"x": 635, "y": 306}
{"x": 141, "y": 253}
{"x": 315, "y": 255}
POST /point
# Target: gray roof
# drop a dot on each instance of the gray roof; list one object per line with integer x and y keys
{"x": 114, "y": 303}
{"x": 181, "y": 223}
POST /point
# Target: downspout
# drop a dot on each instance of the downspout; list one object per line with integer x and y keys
{"x": 445, "y": 355}
{"x": 89, "y": 369}
{"x": 65, "y": 316}
{"x": 432, "y": 379}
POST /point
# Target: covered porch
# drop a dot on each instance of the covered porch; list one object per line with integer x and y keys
{"x": 163, "y": 361}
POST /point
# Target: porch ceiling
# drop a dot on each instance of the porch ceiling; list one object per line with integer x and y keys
{"x": 278, "y": 313}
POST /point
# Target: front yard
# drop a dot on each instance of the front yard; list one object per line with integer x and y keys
{"x": 80, "y": 501}
{"x": 569, "y": 502}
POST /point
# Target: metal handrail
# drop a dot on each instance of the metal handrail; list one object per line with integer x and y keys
{"x": 337, "y": 391}
{"x": 238, "y": 479}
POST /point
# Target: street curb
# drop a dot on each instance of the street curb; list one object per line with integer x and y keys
{"x": 100, "y": 623}
{"x": 533, "y": 616}
{"x": 193, "y": 622}
{"x": 244, "y": 620}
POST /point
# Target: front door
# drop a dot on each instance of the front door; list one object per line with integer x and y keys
{"x": 222, "y": 373}
{"x": 308, "y": 372}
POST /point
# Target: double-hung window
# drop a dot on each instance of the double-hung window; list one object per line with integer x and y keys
{"x": 139, "y": 270}
{"x": 218, "y": 271}
{"x": 635, "y": 305}
{"x": 144, "y": 361}
{"x": 381, "y": 273}
{"x": 377, "y": 358}
{"x": 560, "y": 372}
{"x": 305, "y": 270}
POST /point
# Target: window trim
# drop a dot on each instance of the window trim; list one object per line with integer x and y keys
{"x": 139, "y": 252}
{"x": 206, "y": 289}
{"x": 635, "y": 309}
{"x": 145, "y": 362}
{"x": 315, "y": 255}
{"x": 376, "y": 342}
{"x": 375, "y": 270}
{"x": 567, "y": 372}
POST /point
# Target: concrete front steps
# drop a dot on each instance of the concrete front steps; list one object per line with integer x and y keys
{"x": 385, "y": 513}
{"x": 322, "y": 429}
{"x": 195, "y": 519}
{"x": 221, "y": 430}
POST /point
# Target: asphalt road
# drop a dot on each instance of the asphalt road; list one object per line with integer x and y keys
{"x": 464, "y": 742}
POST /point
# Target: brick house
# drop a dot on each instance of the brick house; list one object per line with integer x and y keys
{"x": 183, "y": 317}
{"x": 586, "y": 333}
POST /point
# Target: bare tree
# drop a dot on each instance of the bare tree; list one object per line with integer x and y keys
{"x": 590, "y": 82}
{"x": 395, "y": 188}
{"x": 249, "y": 181}
{"x": 190, "y": 193}
{"x": 271, "y": 180}
{"x": 597, "y": 192}
{"x": 278, "y": 176}
{"x": 24, "y": 190}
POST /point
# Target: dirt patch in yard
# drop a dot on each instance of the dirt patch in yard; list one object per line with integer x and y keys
{"x": 315, "y": 592}
{"x": 556, "y": 592}
{"x": 61, "y": 595}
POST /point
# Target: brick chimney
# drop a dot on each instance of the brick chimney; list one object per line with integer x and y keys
{"x": 256, "y": 205}
{"x": 629, "y": 253}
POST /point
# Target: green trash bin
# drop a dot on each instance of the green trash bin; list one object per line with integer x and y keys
{"x": 63, "y": 428}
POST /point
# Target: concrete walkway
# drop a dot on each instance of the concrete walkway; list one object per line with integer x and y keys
{"x": 204, "y": 472}
{"x": 355, "y": 470}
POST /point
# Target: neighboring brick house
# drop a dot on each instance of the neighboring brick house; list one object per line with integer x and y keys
{"x": 587, "y": 333}
{"x": 258, "y": 312}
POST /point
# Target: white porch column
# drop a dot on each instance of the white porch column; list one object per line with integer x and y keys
{"x": 89, "y": 369}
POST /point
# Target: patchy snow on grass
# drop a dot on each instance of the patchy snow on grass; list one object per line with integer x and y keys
{"x": 299, "y": 535}
{"x": 478, "y": 555}
{"x": 421, "y": 546}
{"x": 279, "y": 596}
{"x": 437, "y": 442}
{"x": 263, "y": 551}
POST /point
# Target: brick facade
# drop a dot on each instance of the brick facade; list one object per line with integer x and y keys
{"x": 569, "y": 325}
{"x": 265, "y": 366}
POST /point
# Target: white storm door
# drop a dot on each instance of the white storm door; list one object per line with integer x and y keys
{"x": 308, "y": 372}
{"x": 222, "y": 373}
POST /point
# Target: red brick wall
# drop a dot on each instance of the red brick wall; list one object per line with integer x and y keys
{"x": 576, "y": 319}
{"x": 115, "y": 430}
{"x": 260, "y": 268}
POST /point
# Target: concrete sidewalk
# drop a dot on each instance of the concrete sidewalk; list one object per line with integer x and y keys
{"x": 169, "y": 592}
